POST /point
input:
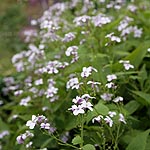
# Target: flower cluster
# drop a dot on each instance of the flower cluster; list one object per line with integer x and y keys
{"x": 81, "y": 103}
{"x": 108, "y": 119}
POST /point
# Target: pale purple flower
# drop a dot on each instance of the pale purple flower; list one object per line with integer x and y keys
{"x": 31, "y": 123}
{"x": 21, "y": 138}
{"x": 112, "y": 113}
{"x": 121, "y": 118}
{"x": 4, "y": 133}
{"x": 77, "y": 109}
{"x": 132, "y": 8}
{"x": 98, "y": 119}
{"x": 72, "y": 50}
{"x": 51, "y": 91}
{"x": 68, "y": 37}
{"x": 113, "y": 38}
{"x": 78, "y": 100}
{"x": 39, "y": 82}
{"x": 82, "y": 20}
{"x": 118, "y": 99}
{"x": 88, "y": 105}
{"x": 106, "y": 96}
{"x": 111, "y": 77}
{"x": 93, "y": 83}
{"x": 87, "y": 96}
{"x": 45, "y": 126}
{"x": 109, "y": 121}
{"x": 17, "y": 93}
{"x": 87, "y": 71}
{"x": 126, "y": 64}
{"x": 111, "y": 85}
{"x": 24, "y": 101}
{"x": 100, "y": 20}
{"x": 73, "y": 83}
{"x": 28, "y": 145}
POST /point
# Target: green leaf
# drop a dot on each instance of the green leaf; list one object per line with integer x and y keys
{"x": 77, "y": 140}
{"x": 132, "y": 106}
{"x": 102, "y": 109}
{"x": 138, "y": 54}
{"x": 88, "y": 147}
{"x": 139, "y": 142}
{"x": 144, "y": 96}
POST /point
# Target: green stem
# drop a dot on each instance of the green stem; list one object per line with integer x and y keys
{"x": 117, "y": 136}
{"x": 82, "y": 124}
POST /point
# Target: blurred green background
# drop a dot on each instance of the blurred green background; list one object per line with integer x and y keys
{"x": 15, "y": 16}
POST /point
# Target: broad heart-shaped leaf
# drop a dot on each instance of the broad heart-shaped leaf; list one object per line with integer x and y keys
{"x": 139, "y": 142}
{"x": 144, "y": 96}
{"x": 132, "y": 106}
{"x": 88, "y": 147}
{"x": 77, "y": 140}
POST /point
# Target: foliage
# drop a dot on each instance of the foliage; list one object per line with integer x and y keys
{"x": 83, "y": 83}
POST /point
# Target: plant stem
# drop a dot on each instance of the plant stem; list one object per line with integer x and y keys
{"x": 82, "y": 124}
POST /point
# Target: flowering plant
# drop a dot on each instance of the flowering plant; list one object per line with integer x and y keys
{"x": 83, "y": 81}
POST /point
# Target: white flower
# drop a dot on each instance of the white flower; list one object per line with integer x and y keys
{"x": 111, "y": 77}
{"x": 109, "y": 121}
{"x": 87, "y": 96}
{"x": 45, "y": 126}
{"x": 68, "y": 37}
{"x": 112, "y": 113}
{"x": 31, "y": 123}
{"x": 121, "y": 118}
{"x": 39, "y": 82}
{"x": 51, "y": 91}
{"x": 24, "y": 101}
{"x": 86, "y": 71}
{"x": 118, "y": 99}
{"x": 106, "y": 96}
{"x": 111, "y": 85}
{"x": 98, "y": 119}
{"x": 87, "y": 105}
{"x": 72, "y": 50}
{"x": 148, "y": 49}
{"x": 77, "y": 100}
{"x": 73, "y": 83}
{"x": 113, "y": 38}
{"x": 100, "y": 20}
{"x": 126, "y": 64}
{"x": 77, "y": 109}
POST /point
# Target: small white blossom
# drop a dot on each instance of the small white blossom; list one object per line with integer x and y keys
{"x": 126, "y": 64}
{"x": 73, "y": 83}
{"x": 68, "y": 37}
{"x": 111, "y": 85}
{"x": 86, "y": 71}
{"x": 45, "y": 126}
{"x": 98, "y": 119}
{"x": 118, "y": 99}
{"x": 112, "y": 113}
{"x": 31, "y": 123}
{"x": 87, "y": 105}
{"x": 111, "y": 77}
{"x": 109, "y": 121}
{"x": 77, "y": 109}
{"x": 106, "y": 96}
{"x": 121, "y": 118}
{"x": 24, "y": 101}
{"x": 39, "y": 82}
